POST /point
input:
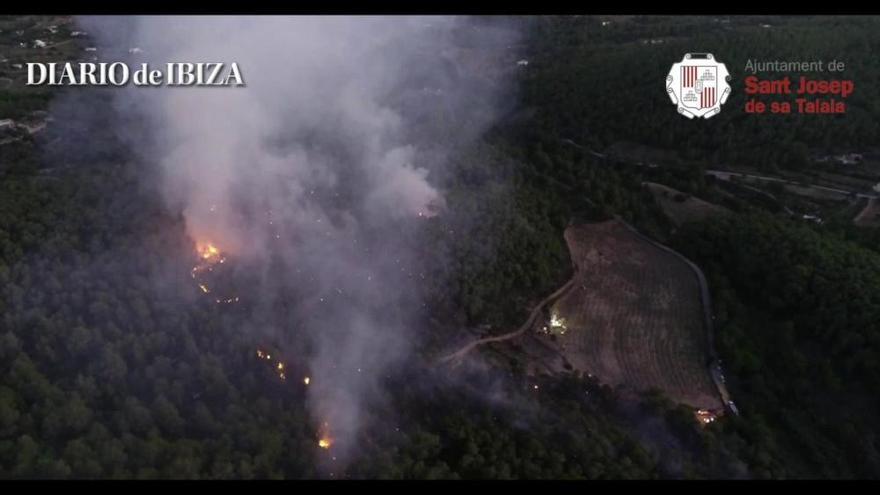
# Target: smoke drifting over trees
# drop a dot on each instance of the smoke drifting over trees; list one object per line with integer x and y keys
{"x": 317, "y": 173}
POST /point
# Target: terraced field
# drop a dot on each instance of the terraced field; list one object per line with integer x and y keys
{"x": 634, "y": 316}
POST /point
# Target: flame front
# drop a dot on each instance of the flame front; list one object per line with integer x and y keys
{"x": 325, "y": 441}
{"x": 207, "y": 251}
{"x": 209, "y": 257}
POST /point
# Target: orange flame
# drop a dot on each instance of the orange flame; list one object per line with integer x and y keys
{"x": 325, "y": 441}
{"x": 207, "y": 251}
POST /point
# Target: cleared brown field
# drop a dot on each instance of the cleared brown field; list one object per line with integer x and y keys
{"x": 634, "y": 316}
{"x": 682, "y": 208}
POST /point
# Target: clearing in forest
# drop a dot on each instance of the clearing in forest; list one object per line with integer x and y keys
{"x": 633, "y": 316}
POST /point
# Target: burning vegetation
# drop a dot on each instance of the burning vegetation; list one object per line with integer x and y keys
{"x": 279, "y": 366}
{"x": 325, "y": 441}
{"x": 209, "y": 252}
{"x": 209, "y": 257}
{"x": 280, "y": 369}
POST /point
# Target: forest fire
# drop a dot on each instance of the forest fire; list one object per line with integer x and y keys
{"x": 279, "y": 367}
{"x": 207, "y": 251}
{"x": 209, "y": 256}
{"x": 325, "y": 441}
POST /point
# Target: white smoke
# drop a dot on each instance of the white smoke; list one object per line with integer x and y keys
{"x": 302, "y": 74}
{"x": 317, "y": 160}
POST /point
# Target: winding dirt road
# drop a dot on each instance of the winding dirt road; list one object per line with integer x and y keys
{"x": 522, "y": 329}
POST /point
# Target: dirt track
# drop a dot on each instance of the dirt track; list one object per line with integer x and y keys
{"x": 522, "y": 329}
{"x": 640, "y": 316}
{"x": 867, "y": 217}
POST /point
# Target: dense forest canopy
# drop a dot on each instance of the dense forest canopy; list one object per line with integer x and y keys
{"x": 113, "y": 366}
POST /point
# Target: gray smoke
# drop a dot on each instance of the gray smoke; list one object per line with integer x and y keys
{"x": 323, "y": 165}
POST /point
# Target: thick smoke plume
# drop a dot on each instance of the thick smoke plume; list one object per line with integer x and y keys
{"x": 318, "y": 171}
